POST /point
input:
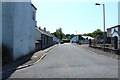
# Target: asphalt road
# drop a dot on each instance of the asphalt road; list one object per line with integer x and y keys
{"x": 70, "y": 61}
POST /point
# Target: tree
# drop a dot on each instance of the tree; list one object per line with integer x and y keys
{"x": 98, "y": 34}
{"x": 59, "y": 34}
{"x": 68, "y": 36}
{"x": 88, "y": 34}
{"x": 48, "y": 32}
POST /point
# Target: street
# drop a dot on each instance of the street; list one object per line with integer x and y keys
{"x": 70, "y": 61}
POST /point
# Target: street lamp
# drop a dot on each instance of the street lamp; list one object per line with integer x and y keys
{"x": 97, "y": 4}
{"x": 103, "y": 23}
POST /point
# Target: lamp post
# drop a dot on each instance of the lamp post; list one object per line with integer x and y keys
{"x": 103, "y": 23}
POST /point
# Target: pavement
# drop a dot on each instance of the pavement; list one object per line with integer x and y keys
{"x": 99, "y": 52}
{"x": 26, "y": 61}
{"x": 70, "y": 61}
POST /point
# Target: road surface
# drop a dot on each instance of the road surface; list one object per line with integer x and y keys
{"x": 70, "y": 61}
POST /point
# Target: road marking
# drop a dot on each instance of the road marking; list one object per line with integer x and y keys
{"x": 34, "y": 56}
{"x": 24, "y": 66}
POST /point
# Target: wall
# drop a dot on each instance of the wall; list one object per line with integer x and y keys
{"x": 109, "y": 32}
{"x": 0, "y": 40}
{"x": 37, "y": 39}
{"x": 7, "y": 28}
{"x": 119, "y": 37}
{"x": 24, "y": 29}
{"x": 47, "y": 40}
{"x": 114, "y": 33}
{"x": 43, "y": 41}
{"x": 37, "y": 34}
{"x": 55, "y": 39}
{"x": 0, "y": 25}
{"x": 74, "y": 39}
{"x": 18, "y": 28}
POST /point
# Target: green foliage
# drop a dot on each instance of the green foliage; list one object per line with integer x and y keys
{"x": 97, "y": 34}
{"x": 69, "y": 36}
{"x": 59, "y": 34}
{"x": 88, "y": 34}
{"x": 48, "y": 32}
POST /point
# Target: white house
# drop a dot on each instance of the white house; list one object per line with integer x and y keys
{"x": 55, "y": 39}
{"x": 0, "y": 40}
{"x": 114, "y": 31}
{"x": 79, "y": 38}
{"x": 0, "y": 27}
{"x": 18, "y": 28}
{"x": 88, "y": 37}
{"x": 74, "y": 39}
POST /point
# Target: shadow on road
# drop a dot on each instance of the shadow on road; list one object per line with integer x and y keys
{"x": 9, "y": 68}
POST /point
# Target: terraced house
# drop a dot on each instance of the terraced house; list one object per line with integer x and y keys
{"x": 43, "y": 39}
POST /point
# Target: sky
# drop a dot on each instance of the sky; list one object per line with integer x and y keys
{"x": 73, "y": 15}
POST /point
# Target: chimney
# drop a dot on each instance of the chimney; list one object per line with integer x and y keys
{"x": 44, "y": 29}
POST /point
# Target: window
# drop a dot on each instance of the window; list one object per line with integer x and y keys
{"x": 33, "y": 15}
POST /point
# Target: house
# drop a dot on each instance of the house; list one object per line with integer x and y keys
{"x": 18, "y": 29}
{"x": 114, "y": 31}
{"x": 0, "y": 27}
{"x": 38, "y": 39}
{"x": 76, "y": 39}
{"x": 42, "y": 39}
{"x": 0, "y": 37}
{"x": 79, "y": 38}
{"x": 86, "y": 39}
{"x": 55, "y": 39}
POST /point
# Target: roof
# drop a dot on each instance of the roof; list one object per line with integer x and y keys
{"x": 34, "y": 6}
{"x": 88, "y": 37}
{"x": 114, "y": 27}
{"x": 43, "y": 32}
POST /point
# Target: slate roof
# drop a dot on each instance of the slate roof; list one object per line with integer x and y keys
{"x": 43, "y": 32}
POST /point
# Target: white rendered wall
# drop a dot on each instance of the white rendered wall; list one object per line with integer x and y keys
{"x": 7, "y": 26}
{"x": 24, "y": 30}
{"x": 0, "y": 40}
{"x": 0, "y": 23}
